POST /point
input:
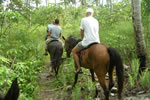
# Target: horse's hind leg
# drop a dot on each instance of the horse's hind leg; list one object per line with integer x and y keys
{"x": 111, "y": 83}
{"x": 102, "y": 82}
{"x": 57, "y": 68}
{"x": 93, "y": 80}
{"x": 54, "y": 66}
{"x": 75, "y": 79}
{"x": 92, "y": 75}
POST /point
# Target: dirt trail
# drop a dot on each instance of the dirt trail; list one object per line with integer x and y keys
{"x": 47, "y": 91}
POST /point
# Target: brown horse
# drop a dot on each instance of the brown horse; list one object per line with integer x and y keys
{"x": 55, "y": 50}
{"x": 100, "y": 59}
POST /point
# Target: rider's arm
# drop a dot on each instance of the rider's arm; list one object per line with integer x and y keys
{"x": 82, "y": 29}
{"x": 60, "y": 32}
{"x": 82, "y": 33}
{"x": 49, "y": 34}
{"x": 59, "y": 35}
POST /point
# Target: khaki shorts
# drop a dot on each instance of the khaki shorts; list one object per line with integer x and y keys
{"x": 80, "y": 46}
{"x": 48, "y": 41}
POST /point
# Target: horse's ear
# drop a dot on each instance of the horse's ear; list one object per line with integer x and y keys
{"x": 63, "y": 37}
{"x": 13, "y": 92}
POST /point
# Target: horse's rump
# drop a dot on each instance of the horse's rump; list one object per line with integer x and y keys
{"x": 55, "y": 48}
{"x": 94, "y": 56}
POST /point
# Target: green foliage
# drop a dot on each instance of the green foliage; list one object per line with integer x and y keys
{"x": 45, "y": 15}
{"x": 3, "y": 59}
{"x": 146, "y": 22}
{"x": 4, "y": 71}
{"x": 134, "y": 72}
{"x": 120, "y": 13}
{"x": 21, "y": 56}
{"x": 25, "y": 71}
{"x": 145, "y": 7}
{"x": 145, "y": 79}
{"x": 119, "y": 36}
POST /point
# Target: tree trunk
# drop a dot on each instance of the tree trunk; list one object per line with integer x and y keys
{"x": 73, "y": 2}
{"x": 46, "y": 2}
{"x": 138, "y": 34}
{"x": 102, "y": 2}
{"x": 65, "y": 3}
{"x": 111, "y": 5}
{"x": 37, "y": 3}
{"x": 82, "y": 2}
{"x": 107, "y": 2}
{"x": 97, "y": 2}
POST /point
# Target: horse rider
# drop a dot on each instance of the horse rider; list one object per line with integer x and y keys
{"x": 89, "y": 30}
{"x": 54, "y": 33}
{"x": 48, "y": 28}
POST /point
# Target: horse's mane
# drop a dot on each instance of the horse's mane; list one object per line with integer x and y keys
{"x": 73, "y": 41}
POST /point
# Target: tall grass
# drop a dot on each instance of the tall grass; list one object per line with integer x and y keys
{"x": 134, "y": 72}
{"x": 145, "y": 80}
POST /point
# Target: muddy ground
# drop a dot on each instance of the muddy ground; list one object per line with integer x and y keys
{"x": 48, "y": 92}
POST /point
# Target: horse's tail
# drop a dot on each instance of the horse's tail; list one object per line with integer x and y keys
{"x": 57, "y": 59}
{"x": 115, "y": 60}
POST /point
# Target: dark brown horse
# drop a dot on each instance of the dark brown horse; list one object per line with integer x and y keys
{"x": 13, "y": 92}
{"x": 55, "y": 50}
{"x": 100, "y": 59}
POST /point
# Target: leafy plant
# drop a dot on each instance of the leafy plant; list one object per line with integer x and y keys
{"x": 134, "y": 72}
{"x": 145, "y": 79}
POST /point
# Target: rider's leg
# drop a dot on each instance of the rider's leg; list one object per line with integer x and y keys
{"x": 75, "y": 50}
{"x": 46, "y": 46}
{"x": 61, "y": 42}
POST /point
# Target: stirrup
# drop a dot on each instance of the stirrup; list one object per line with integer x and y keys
{"x": 80, "y": 72}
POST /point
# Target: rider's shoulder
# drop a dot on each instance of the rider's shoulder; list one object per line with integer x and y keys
{"x": 85, "y": 18}
{"x": 50, "y": 24}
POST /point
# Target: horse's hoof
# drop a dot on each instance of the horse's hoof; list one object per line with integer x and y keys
{"x": 79, "y": 72}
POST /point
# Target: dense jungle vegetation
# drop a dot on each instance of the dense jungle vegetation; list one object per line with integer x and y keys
{"x": 22, "y": 33}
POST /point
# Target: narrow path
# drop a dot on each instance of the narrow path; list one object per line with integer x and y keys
{"x": 47, "y": 91}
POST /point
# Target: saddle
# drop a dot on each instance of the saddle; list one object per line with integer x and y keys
{"x": 53, "y": 41}
{"x": 84, "y": 51}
